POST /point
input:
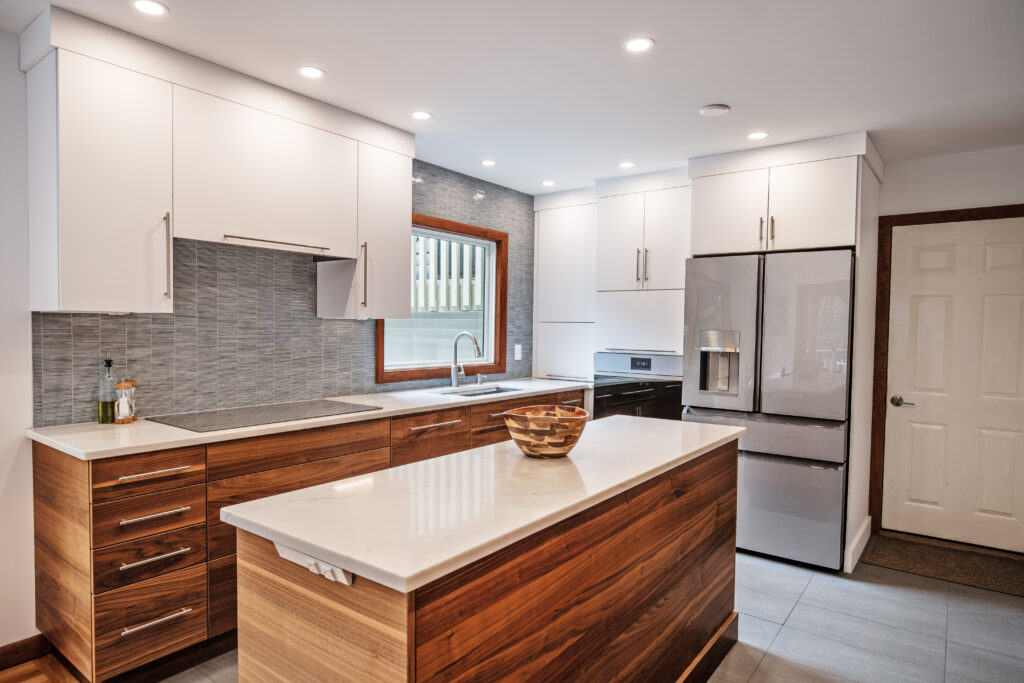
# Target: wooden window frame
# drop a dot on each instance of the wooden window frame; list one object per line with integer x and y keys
{"x": 496, "y": 367}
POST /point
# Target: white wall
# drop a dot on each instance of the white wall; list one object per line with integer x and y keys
{"x": 17, "y": 610}
{"x": 991, "y": 177}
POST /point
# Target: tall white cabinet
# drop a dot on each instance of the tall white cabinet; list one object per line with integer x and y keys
{"x": 99, "y": 187}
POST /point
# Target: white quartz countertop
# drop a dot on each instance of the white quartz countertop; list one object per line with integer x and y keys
{"x": 407, "y": 526}
{"x": 92, "y": 441}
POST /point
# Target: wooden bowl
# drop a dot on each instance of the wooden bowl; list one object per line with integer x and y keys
{"x": 546, "y": 431}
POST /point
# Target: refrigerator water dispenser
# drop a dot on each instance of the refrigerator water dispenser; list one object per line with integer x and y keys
{"x": 720, "y": 361}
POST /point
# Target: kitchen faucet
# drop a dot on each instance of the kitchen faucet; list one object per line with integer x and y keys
{"x": 457, "y": 368}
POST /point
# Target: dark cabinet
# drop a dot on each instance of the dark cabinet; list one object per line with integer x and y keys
{"x": 642, "y": 398}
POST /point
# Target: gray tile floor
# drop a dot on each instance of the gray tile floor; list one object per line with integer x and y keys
{"x": 876, "y": 624}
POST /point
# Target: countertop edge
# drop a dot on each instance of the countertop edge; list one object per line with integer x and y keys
{"x": 189, "y": 438}
{"x": 407, "y": 584}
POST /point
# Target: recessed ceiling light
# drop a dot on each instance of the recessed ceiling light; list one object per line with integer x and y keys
{"x": 312, "y": 72}
{"x": 548, "y": 183}
{"x": 627, "y": 164}
{"x": 714, "y": 109}
{"x": 639, "y": 44}
{"x": 150, "y": 7}
{"x": 488, "y": 162}
{"x": 421, "y": 115}
{"x": 760, "y": 135}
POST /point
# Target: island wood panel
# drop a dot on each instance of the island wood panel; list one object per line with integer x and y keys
{"x": 637, "y": 584}
{"x": 294, "y": 625}
{"x": 233, "y": 458}
{"x": 143, "y": 603}
{"x": 222, "y": 589}
{"x": 417, "y": 438}
{"x": 147, "y": 473}
{"x": 164, "y": 510}
{"x": 248, "y": 487}
{"x": 160, "y": 554}
{"x": 63, "y": 553}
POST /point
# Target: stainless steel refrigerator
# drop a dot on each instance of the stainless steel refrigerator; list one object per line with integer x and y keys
{"x": 767, "y": 347}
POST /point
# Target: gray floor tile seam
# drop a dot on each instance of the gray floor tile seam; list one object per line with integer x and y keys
{"x": 795, "y": 603}
{"x": 945, "y": 644}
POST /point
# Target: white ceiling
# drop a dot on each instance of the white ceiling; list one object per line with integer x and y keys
{"x": 545, "y": 88}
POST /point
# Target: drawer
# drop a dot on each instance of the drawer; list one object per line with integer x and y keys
{"x": 223, "y": 588}
{"x": 489, "y": 435}
{"x": 244, "y": 456}
{"x": 429, "y": 435}
{"x": 489, "y": 414}
{"x": 271, "y": 482}
{"x": 130, "y": 518}
{"x": 132, "y": 561}
{"x": 147, "y": 620}
{"x": 134, "y": 475}
{"x": 570, "y": 398}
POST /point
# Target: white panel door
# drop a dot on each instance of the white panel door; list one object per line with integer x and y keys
{"x": 954, "y": 451}
{"x": 564, "y": 350}
{"x": 385, "y": 228}
{"x": 114, "y": 131}
{"x": 730, "y": 213}
{"x": 243, "y": 172}
{"x": 666, "y": 238}
{"x": 650, "y": 321}
{"x": 620, "y": 242}
{"x": 813, "y": 204}
{"x": 564, "y": 260}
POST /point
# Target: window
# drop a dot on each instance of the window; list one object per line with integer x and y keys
{"x": 459, "y": 282}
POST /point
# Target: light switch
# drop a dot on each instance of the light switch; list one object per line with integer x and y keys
{"x": 519, "y": 351}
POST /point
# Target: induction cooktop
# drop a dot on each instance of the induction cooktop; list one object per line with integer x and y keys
{"x": 232, "y": 418}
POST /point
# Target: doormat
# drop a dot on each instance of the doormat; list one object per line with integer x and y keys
{"x": 991, "y": 570}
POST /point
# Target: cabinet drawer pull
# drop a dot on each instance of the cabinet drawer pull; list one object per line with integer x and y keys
{"x": 772, "y": 232}
{"x": 497, "y": 414}
{"x": 155, "y": 515}
{"x": 366, "y": 271}
{"x": 639, "y": 391}
{"x": 622, "y": 348}
{"x": 439, "y": 424}
{"x": 575, "y": 400}
{"x": 154, "y": 473}
{"x": 645, "y": 264}
{"x": 287, "y": 244}
{"x": 760, "y": 229}
{"x": 170, "y": 254}
{"x": 638, "y": 265}
{"x": 149, "y": 624}
{"x": 133, "y": 565}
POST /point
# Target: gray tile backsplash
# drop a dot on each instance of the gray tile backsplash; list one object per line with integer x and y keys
{"x": 244, "y": 329}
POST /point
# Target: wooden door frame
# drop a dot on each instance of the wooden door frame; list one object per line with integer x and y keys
{"x": 880, "y": 388}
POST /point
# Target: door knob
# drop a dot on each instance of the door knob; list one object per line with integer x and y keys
{"x": 898, "y": 401}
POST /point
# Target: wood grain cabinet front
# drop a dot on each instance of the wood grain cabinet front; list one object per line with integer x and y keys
{"x": 131, "y": 518}
{"x": 134, "y": 475}
{"x": 428, "y": 435}
{"x": 143, "y": 558}
{"x": 142, "y": 622}
{"x": 488, "y": 425}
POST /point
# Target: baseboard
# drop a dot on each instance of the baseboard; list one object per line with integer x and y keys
{"x": 855, "y": 546}
{"x": 714, "y": 651}
{"x": 24, "y": 650}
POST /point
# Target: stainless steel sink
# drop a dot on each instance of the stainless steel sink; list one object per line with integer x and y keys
{"x": 479, "y": 391}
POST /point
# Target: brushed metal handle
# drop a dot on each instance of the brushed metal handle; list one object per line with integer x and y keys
{"x": 287, "y": 244}
{"x": 149, "y": 624}
{"x": 622, "y": 348}
{"x": 646, "y": 250}
{"x": 898, "y": 401}
{"x": 575, "y": 400}
{"x": 156, "y": 515}
{"x": 155, "y": 558}
{"x": 639, "y": 391}
{"x": 772, "y": 229}
{"x": 638, "y": 265}
{"x": 439, "y": 424}
{"x": 154, "y": 473}
{"x": 366, "y": 267}
{"x": 170, "y": 254}
{"x": 760, "y": 229}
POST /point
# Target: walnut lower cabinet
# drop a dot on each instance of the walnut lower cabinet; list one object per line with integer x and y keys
{"x": 132, "y": 562}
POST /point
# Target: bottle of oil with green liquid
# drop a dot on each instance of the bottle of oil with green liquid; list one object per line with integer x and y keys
{"x": 107, "y": 393}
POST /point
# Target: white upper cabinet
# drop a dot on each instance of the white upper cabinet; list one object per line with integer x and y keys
{"x": 384, "y": 234}
{"x": 649, "y": 321}
{"x": 563, "y": 350}
{"x": 730, "y": 212}
{"x": 564, "y": 262}
{"x": 796, "y": 206}
{"x": 99, "y": 187}
{"x": 620, "y": 242}
{"x": 813, "y": 204}
{"x": 251, "y": 177}
{"x": 666, "y": 238}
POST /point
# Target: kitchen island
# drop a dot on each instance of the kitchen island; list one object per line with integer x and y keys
{"x": 617, "y": 562}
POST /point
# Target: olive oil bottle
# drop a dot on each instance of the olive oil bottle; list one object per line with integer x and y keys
{"x": 107, "y": 393}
